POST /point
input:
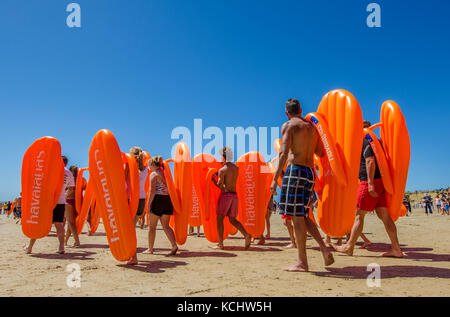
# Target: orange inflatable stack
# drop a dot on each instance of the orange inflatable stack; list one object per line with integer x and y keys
{"x": 253, "y": 192}
{"x": 108, "y": 177}
{"x": 339, "y": 121}
{"x": 42, "y": 182}
{"x": 396, "y": 143}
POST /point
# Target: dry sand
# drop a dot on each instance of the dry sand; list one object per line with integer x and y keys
{"x": 200, "y": 271}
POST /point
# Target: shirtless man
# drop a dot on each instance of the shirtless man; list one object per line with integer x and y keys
{"x": 371, "y": 196}
{"x": 300, "y": 142}
{"x": 228, "y": 203}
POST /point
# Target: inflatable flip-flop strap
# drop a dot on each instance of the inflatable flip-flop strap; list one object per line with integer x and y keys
{"x": 329, "y": 145}
{"x": 86, "y": 204}
{"x": 209, "y": 183}
{"x": 380, "y": 156}
{"x": 174, "y": 197}
{"x": 134, "y": 183}
{"x": 79, "y": 189}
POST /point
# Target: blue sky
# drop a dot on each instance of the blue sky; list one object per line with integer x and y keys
{"x": 141, "y": 68}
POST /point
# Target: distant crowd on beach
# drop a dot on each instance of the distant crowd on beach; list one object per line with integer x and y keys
{"x": 297, "y": 199}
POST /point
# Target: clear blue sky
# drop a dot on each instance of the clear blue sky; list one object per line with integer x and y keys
{"x": 140, "y": 68}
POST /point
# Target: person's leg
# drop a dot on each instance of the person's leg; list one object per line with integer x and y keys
{"x": 366, "y": 243}
{"x": 60, "y": 233}
{"x": 152, "y": 232}
{"x": 88, "y": 221}
{"x": 68, "y": 234}
{"x": 165, "y": 220}
{"x": 356, "y": 232}
{"x": 220, "y": 229}
{"x": 29, "y": 248}
{"x": 391, "y": 230}
{"x": 300, "y": 238}
{"x": 288, "y": 224}
{"x": 240, "y": 227}
{"x": 312, "y": 229}
{"x": 268, "y": 214}
{"x": 71, "y": 224}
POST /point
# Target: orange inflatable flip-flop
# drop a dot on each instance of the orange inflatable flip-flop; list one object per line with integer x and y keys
{"x": 95, "y": 217}
{"x": 183, "y": 184}
{"x": 329, "y": 145}
{"x": 42, "y": 183}
{"x": 337, "y": 205}
{"x": 80, "y": 189}
{"x": 108, "y": 176}
{"x": 396, "y": 143}
{"x": 253, "y": 192}
{"x": 133, "y": 204}
{"x": 88, "y": 198}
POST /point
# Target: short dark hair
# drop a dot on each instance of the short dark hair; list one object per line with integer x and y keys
{"x": 65, "y": 159}
{"x": 367, "y": 124}
{"x": 293, "y": 107}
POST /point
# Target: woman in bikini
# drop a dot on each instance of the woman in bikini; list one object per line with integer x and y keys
{"x": 160, "y": 206}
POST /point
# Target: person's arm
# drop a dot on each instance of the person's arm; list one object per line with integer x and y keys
{"x": 286, "y": 144}
{"x": 221, "y": 178}
{"x": 320, "y": 150}
{"x": 152, "y": 191}
{"x": 371, "y": 167}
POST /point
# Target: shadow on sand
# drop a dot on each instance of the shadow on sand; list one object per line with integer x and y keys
{"x": 78, "y": 256}
{"x": 153, "y": 266}
{"x": 360, "y": 272}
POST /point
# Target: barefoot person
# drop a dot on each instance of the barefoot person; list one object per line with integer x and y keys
{"x": 58, "y": 212}
{"x": 19, "y": 209}
{"x": 160, "y": 206}
{"x": 371, "y": 196}
{"x": 299, "y": 144}
{"x": 228, "y": 203}
{"x": 138, "y": 155}
{"x": 270, "y": 209}
{"x": 71, "y": 211}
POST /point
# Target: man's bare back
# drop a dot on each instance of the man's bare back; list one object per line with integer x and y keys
{"x": 228, "y": 176}
{"x": 302, "y": 141}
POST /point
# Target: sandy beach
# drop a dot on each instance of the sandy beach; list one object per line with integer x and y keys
{"x": 199, "y": 270}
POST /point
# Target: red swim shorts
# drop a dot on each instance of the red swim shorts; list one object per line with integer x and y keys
{"x": 286, "y": 217}
{"x": 228, "y": 205}
{"x": 368, "y": 203}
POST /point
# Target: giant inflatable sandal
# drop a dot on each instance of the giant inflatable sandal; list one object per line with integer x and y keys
{"x": 42, "y": 183}
{"x": 108, "y": 177}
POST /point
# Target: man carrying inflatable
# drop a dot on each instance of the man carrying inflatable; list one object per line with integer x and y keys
{"x": 299, "y": 144}
{"x": 228, "y": 203}
{"x": 371, "y": 196}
